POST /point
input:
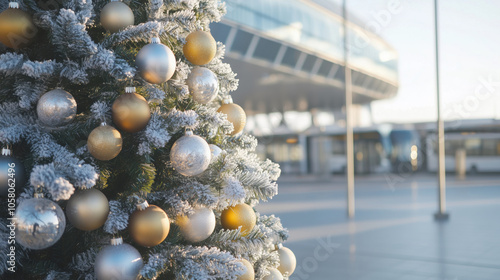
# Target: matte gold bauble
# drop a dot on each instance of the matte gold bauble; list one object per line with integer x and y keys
{"x": 16, "y": 27}
{"x": 288, "y": 262}
{"x": 236, "y": 115}
{"x": 200, "y": 47}
{"x": 249, "y": 273}
{"x": 274, "y": 275}
{"x": 131, "y": 111}
{"x": 239, "y": 215}
{"x": 87, "y": 209}
{"x": 149, "y": 225}
{"x": 116, "y": 16}
{"x": 197, "y": 226}
{"x": 105, "y": 142}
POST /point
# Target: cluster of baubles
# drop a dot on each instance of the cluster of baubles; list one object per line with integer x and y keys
{"x": 40, "y": 222}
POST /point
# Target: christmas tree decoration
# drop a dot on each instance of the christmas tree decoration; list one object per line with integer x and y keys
{"x": 116, "y": 16}
{"x": 203, "y": 85}
{"x": 241, "y": 215}
{"x": 156, "y": 62}
{"x": 215, "y": 151}
{"x": 235, "y": 114}
{"x": 249, "y": 272}
{"x": 87, "y": 209}
{"x": 79, "y": 71}
{"x": 56, "y": 108}
{"x": 288, "y": 262}
{"x": 105, "y": 142}
{"x": 274, "y": 275}
{"x": 12, "y": 175}
{"x": 118, "y": 261}
{"x": 16, "y": 27}
{"x": 39, "y": 222}
{"x": 149, "y": 225}
{"x": 190, "y": 154}
{"x": 197, "y": 226}
{"x": 131, "y": 111}
{"x": 200, "y": 47}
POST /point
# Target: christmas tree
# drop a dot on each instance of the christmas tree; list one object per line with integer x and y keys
{"x": 123, "y": 154}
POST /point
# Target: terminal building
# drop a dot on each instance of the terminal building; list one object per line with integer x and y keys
{"x": 289, "y": 57}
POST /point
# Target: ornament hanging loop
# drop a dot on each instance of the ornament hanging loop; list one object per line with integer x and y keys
{"x": 227, "y": 99}
{"x": 7, "y": 151}
{"x": 115, "y": 241}
{"x": 188, "y": 131}
{"x": 38, "y": 192}
{"x": 13, "y": 5}
{"x": 142, "y": 205}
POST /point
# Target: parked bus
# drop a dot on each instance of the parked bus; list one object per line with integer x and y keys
{"x": 482, "y": 151}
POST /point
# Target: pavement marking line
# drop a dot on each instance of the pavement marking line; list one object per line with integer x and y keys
{"x": 349, "y": 228}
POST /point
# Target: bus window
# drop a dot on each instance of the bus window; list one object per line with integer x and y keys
{"x": 473, "y": 147}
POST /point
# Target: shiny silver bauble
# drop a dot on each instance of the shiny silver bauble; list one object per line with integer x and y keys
{"x": 118, "y": 262}
{"x": 156, "y": 62}
{"x": 56, "y": 108}
{"x": 39, "y": 222}
{"x": 190, "y": 155}
{"x": 203, "y": 85}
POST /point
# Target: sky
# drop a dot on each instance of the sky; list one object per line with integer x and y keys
{"x": 469, "y": 57}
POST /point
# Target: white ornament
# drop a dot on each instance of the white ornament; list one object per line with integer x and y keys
{"x": 197, "y": 226}
{"x": 190, "y": 154}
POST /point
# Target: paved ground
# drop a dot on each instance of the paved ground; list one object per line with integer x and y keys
{"x": 394, "y": 235}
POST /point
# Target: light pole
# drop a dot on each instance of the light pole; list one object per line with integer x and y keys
{"x": 349, "y": 124}
{"x": 441, "y": 214}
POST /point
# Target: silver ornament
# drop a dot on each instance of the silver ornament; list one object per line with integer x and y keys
{"x": 190, "y": 154}
{"x": 116, "y": 16}
{"x": 56, "y": 108}
{"x": 40, "y": 223}
{"x": 197, "y": 226}
{"x": 118, "y": 261}
{"x": 203, "y": 85}
{"x": 215, "y": 151}
{"x": 155, "y": 62}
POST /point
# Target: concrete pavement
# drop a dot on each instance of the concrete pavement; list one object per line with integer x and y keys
{"x": 393, "y": 235}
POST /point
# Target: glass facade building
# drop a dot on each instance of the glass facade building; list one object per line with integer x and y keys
{"x": 312, "y": 26}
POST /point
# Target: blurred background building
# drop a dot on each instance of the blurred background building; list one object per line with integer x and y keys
{"x": 289, "y": 55}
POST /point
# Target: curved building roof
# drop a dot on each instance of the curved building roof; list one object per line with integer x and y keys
{"x": 289, "y": 56}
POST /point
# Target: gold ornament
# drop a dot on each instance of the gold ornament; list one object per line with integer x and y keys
{"x": 16, "y": 27}
{"x": 239, "y": 215}
{"x": 288, "y": 262}
{"x": 197, "y": 226}
{"x": 200, "y": 47}
{"x": 131, "y": 111}
{"x": 236, "y": 115}
{"x": 274, "y": 275}
{"x": 87, "y": 209}
{"x": 149, "y": 225}
{"x": 249, "y": 273}
{"x": 116, "y": 16}
{"x": 105, "y": 142}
